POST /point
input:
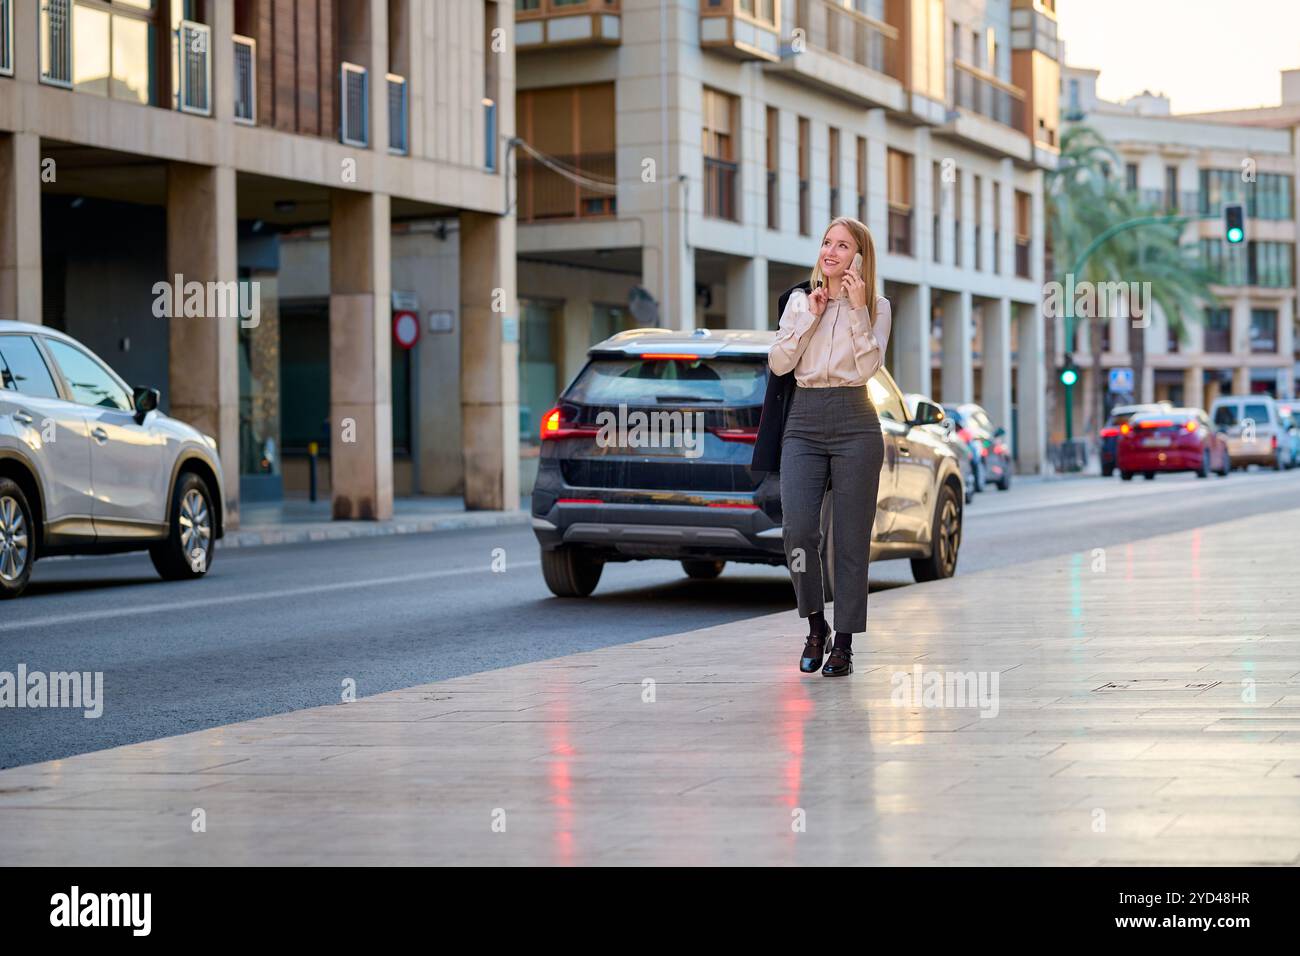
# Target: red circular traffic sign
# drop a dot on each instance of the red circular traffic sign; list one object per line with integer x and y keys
{"x": 406, "y": 328}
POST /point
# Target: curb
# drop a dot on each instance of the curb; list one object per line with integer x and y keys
{"x": 345, "y": 531}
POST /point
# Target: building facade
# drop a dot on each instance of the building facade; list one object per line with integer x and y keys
{"x": 193, "y": 141}
{"x": 1192, "y": 165}
{"x": 680, "y": 160}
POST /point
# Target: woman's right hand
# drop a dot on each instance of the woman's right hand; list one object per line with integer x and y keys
{"x": 817, "y": 301}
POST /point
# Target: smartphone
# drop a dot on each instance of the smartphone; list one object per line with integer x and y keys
{"x": 857, "y": 265}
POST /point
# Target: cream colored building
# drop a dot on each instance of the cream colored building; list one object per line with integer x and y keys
{"x": 697, "y": 148}
{"x": 1192, "y": 164}
{"x": 145, "y": 139}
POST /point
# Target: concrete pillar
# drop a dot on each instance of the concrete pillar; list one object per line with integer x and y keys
{"x": 923, "y": 200}
{"x": 222, "y": 21}
{"x": 1007, "y": 219}
{"x": 1241, "y": 380}
{"x": 911, "y": 339}
{"x": 203, "y": 364}
{"x": 489, "y": 361}
{"x": 958, "y": 372}
{"x": 20, "y": 227}
{"x": 966, "y": 213}
{"x": 1194, "y": 387}
{"x": 996, "y": 381}
{"x": 1031, "y": 390}
{"x": 747, "y": 305}
{"x": 948, "y": 213}
{"x": 361, "y": 411}
{"x": 878, "y": 180}
{"x": 1147, "y": 389}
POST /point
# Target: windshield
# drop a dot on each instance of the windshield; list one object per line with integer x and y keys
{"x": 635, "y": 380}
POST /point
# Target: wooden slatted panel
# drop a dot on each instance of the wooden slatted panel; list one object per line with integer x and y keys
{"x": 308, "y": 68}
{"x": 285, "y": 67}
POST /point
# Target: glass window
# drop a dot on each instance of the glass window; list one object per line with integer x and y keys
{"x": 114, "y": 53}
{"x": 90, "y": 53}
{"x": 1257, "y": 413}
{"x": 1225, "y": 416}
{"x": 654, "y": 381}
{"x": 889, "y": 404}
{"x": 133, "y": 59}
{"x": 90, "y": 382}
{"x": 23, "y": 370}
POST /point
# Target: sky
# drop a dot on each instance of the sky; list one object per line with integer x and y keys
{"x": 1202, "y": 54}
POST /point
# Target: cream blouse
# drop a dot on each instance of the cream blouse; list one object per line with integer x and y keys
{"x": 841, "y": 348}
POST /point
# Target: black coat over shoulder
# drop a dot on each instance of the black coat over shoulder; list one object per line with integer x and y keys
{"x": 767, "y": 446}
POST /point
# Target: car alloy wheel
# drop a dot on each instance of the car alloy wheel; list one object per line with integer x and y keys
{"x": 949, "y": 535}
{"x": 195, "y": 526}
{"x": 14, "y": 549}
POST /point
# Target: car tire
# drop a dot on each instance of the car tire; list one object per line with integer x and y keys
{"x": 1004, "y": 483}
{"x": 1149, "y": 475}
{"x": 1204, "y": 470}
{"x": 979, "y": 474}
{"x": 945, "y": 539}
{"x": 1277, "y": 461}
{"x": 17, "y": 544}
{"x": 187, "y": 552}
{"x": 1107, "y": 470}
{"x": 1126, "y": 476}
{"x": 570, "y": 571}
{"x": 703, "y": 570}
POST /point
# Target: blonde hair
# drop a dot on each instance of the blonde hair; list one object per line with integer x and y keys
{"x": 862, "y": 236}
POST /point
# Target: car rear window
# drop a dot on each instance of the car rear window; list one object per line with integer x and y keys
{"x": 1257, "y": 413}
{"x": 672, "y": 381}
{"x": 1225, "y": 415}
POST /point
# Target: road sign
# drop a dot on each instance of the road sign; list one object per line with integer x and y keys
{"x": 1121, "y": 379}
{"x": 406, "y": 328}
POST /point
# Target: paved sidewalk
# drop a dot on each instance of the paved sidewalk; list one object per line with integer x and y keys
{"x": 1146, "y": 713}
{"x": 298, "y": 521}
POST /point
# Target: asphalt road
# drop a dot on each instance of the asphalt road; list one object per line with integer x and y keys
{"x": 276, "y": 629}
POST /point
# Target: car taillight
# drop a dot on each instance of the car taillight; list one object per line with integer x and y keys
{"x": 749, "y": 435}
{"x": 669, "y": 356}
{"x": 554, "y": 426}
{"x": 1109, "y": 432}
{"x": 984, "y": 451}
{"x": 1275, "y": 443}
{"x": 1125, "y": 428}
{"x": 1191, "y": 426}
{"x": 1156, "y": 423}
{"x": 999, "y": 449}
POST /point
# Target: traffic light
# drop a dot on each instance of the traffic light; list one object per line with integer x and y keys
{"x": 1234, "y": 223}
{"x": 1069, "y": 375}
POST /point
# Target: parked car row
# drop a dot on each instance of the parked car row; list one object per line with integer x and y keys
{"x": 601, "y": 500}
{"x": 1238, "y": 431}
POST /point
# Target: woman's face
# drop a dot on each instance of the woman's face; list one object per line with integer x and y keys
{"x": 838, "y": 250}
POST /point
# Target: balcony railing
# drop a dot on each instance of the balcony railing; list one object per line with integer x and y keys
{"x": 1022, "y": 258}
{"x": 354, "y": 105}
{"x": 545, "y": 194}
{"x": 245, "y": 80}
{"x": 988, "y": 96}
{"x": 6, "y": 38}
{"x": 719, "y": 188}
{"x": 900, "y": 232}
{"x": 398, "y": 125}
{"x": 56, "y": 42}
{"x": 567, "y": 22}
{"x": 194, "y": 68}
{"x": 832, "y": 27}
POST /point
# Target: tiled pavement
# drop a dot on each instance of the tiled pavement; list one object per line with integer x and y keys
{"x": 1148, "y": 711}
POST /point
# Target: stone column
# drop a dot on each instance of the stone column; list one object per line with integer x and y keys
{"x": 489, "y": 361}
{"x": 747, "y": 305}
{"x": 1194, "y": 387}
{"x": 996, "y": 380}
{"x": 203, "y": 363}
{"x": 958, "y": 372}
{"x": 911, "y": 337}
{"x": 361, "y": 411}
{"x": 20, "y": 226}
{"x": 1031, "y": 384}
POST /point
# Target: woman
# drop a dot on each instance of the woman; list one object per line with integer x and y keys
{"x": 833, "y": 339}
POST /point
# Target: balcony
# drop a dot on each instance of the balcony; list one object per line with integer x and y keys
{"x": 245, "y": 80}
{"x": 542, "y": 24}
{"x": 719, "y": 188}
{"x": 745, "y": 29}
{"x": 986, "y": 95}
{"x": 548, "y": 192}
{"x": 846, "y": 53}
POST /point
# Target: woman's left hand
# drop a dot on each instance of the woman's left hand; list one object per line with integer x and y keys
{"x": 856, "y": 288}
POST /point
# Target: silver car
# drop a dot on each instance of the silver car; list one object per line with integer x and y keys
{"x": 89, "y": 465}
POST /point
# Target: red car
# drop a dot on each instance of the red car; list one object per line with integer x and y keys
{"x": 1171, "y": 439}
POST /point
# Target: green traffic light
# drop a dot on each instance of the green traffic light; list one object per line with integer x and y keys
{"x": 1235, "y": 235}
{"x": 1069, "y": 376}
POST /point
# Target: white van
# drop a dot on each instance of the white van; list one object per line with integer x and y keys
{"x": 1254, "y": 429}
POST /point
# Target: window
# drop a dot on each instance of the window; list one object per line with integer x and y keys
{"x": 1218, "y": 330}
{"x": 1131, "y": 177}
{"x": 719, "y": 143}
{"x": 114, "y": 49}
{"x": 574, "y": 126}
{"x": 900, "y": 202}
{"x": 23, "y": 370}
{"x": 889, "y": 404}
{"x": 1022, "y": 233}
{"x": 1268, "y": 264}
{"x": 862, "y": 179}
{"x": 771, "y": 147}
{"x": 6, "y": 38}
{"x": 1171, "y": 188}
{"x": 90, "y": 383}
{"x": 1225, "y": 416}
{"x": 805, "y": 216}
{"x": 833, "y": 158}
{"x": 1263, "y": 330}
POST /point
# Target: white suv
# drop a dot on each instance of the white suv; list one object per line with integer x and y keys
{"x": 90, "y": 466}
{"x": 1254, "y": 430}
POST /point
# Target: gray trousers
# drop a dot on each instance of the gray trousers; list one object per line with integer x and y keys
{"x": 831, "y": 435}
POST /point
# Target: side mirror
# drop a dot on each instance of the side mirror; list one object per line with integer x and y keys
{"x": 146, "y": 401}
{"x": 927, "y": 413}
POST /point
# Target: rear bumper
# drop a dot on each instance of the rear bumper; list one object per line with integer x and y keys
{"x": 1150, "y": 459}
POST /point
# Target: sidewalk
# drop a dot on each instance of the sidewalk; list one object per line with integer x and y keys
{"x": 1147, "y": 712}
{"x": 298, "y": 521}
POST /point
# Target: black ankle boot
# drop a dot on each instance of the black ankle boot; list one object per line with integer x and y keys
{"x": 840, "y": 662}
{"x": 815, "y": 648}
